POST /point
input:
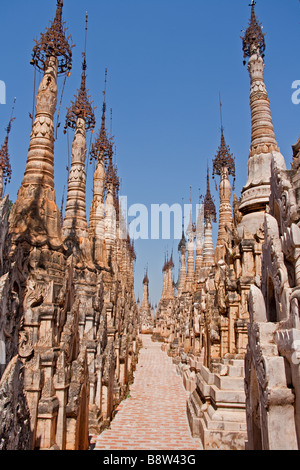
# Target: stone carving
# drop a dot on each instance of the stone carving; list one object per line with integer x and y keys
{"x": 66, "y": 313}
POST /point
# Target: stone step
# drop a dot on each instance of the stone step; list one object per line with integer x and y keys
{"x": 202, "y": 385}
{"x": 228, "y": 421}
{"x": 207, "y": 375}
{"x": 237, "y": 362}
{"x": 229, "y": 383}
{"x": 232, "y": 370}
{"x": 193, "y": 420}
{"x": 232, "y": 397}
{"x": 233, "y": 415}
{"x": 195, "y": 403}
{"x": 236, "y": 371}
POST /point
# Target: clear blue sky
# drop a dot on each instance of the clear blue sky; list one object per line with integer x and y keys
{"x": 167, "y": 62}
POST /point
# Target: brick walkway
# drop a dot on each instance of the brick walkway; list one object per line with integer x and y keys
{"x": 154, "y": 417}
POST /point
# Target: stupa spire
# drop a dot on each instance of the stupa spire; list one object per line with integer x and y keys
{"x": 35, "y": 215}
{"x": 191, "y": 233}
{"x": 254, "y": 39}
{"x": 256, "y": 193}
{"x": 224, "y": 157}
{"x": 224, "y": 166}
{"x": 99, "y": 153}
{"x": 182, "y": 250}
{"x": 199, "y": 240}
{"x": 53, "y": 43}
{"x": 210, "y": 213}
{"x": 210, "y": 216}
{"x": 5, "y": 166}
{"x": 81, "y": 118}
{"x": 146, "y": 318}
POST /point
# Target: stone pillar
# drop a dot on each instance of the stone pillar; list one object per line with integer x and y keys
{"x": 61, "y": 385}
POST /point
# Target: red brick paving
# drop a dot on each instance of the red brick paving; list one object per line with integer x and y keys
{"x": 154, "y": 417}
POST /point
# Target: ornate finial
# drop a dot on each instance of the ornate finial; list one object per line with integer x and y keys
{"x": 4, "y": 155}
{"x": 221, "y": 114}
{"x": 105, "y": 85}
{"x": 223, "y": 159}
{"x": 146, "y": 278}
{"x": 254, "y": 39}
{"x": 210, "y": 213}
{"x": 182, "y": 243}
{"x": 54, "y": 43}
{"x": 82, "y": 107}
{"x": 86, "y": 31}
{"x": 103, "y": 145}
{"x": 171, "y": 262}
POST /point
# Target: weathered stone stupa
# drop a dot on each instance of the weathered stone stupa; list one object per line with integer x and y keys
{"x": 69, "y": 321}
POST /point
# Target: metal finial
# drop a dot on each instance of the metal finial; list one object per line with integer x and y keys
{"x": 210, "y": 213}
{"x": 221, "y": 114}
{"x": 105, "y": 86}
{"x": 82, "y": 107}
{"x": 254, "y": 38}
{"x": 86, "y": 30}
{"x": 103, "y": 147}
{"x": 4, "y": 155}
{"x": 224, "y": 158}
{"x": 53, "y": 42}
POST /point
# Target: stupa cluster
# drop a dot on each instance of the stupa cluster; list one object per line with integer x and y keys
{"x": 68, "y": 317}
{"x": 232, "y": 327}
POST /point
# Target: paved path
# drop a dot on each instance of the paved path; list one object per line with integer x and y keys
{"x": 154, "y": 417}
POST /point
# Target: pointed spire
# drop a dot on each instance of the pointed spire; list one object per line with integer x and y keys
{"x": 82, "y": 107}
{"x": 81, "y": 118}
{"x": 210, "y": 213}
{"x": 264, "y": 147}
{"x": 5, "y": 167}
{"x": 182, "y": 243}
{"x": 103, "y": 144}
{"x": 53, "y": 42}
{"x": 254, "y": 39}
{"x": 223, "y": 158}
{"x": 146, "y": 278}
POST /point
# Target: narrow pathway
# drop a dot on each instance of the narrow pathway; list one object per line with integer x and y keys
{"x": 154, "y": 417}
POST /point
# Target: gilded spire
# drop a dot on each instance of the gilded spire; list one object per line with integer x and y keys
{"x": 53, "y": 43}
{"x": 254, "y": 39}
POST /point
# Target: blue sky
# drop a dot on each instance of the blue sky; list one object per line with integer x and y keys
{"x": 167, "y": 61}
